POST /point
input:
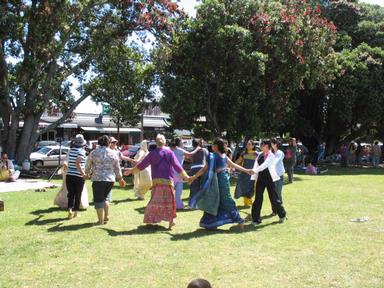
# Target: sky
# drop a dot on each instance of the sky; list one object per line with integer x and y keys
{"x": 88, "y": 106}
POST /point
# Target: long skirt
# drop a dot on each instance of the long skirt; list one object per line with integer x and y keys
{"x": 162, "y": 206}
{"x": 227, "y": 212}
{"x": 142, "y": 182}
{"x": 195, "y": 186}
{"x": 61, "y": 198}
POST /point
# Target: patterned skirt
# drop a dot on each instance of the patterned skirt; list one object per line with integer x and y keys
{"x": 162, "y": 206}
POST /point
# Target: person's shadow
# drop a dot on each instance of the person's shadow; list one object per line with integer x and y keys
{"x": 61, "y": 228}
{"x": 140, "y": 230}
{"x": 209, "y": 232}
{"x": 39, "y": 222}
{"x": 46, "y": 211}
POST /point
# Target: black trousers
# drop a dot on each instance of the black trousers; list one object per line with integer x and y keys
{"x": 75, "y": 187}
{"x": 277, "y": 207}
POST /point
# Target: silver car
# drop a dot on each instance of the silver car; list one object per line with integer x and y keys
{"x": 48, "y": 156}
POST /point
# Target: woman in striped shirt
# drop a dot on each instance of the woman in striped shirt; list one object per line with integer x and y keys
{"x": 75, "y": 175}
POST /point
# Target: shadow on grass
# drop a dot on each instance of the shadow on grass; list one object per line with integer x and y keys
{"x": 140, "y": 210}
{"x": 40, "y": 222}
{"x": 46, "y": 211}
{"x": 209, "y": 232}
{"x": 117, "y": 202}
{"x": 61, "y": 228}
{"x": 140, "y": 230}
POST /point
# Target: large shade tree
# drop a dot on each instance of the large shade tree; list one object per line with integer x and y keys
{"x": 44, "y": 43}
{"x": 237, "y": 67}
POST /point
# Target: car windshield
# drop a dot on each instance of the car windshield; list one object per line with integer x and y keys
{"x": 44, "y": 150}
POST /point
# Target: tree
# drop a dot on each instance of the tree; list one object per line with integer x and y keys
{"x": 123, "y": 80}
{"x": 43, "y": 43}
{"x": 240, "y": 63}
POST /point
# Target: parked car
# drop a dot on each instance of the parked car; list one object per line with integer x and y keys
{"x": 48, "y": 156}
{"x": 42, "y": 144}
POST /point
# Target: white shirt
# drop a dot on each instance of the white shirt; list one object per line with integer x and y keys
{"x": 279, "y": 155}
{"x": 270, "y": 164}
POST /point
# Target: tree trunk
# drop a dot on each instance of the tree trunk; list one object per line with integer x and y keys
{"x": 28, "y": 137}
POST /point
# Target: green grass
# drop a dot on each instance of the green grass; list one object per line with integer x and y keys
{"x": 317, "y": 247}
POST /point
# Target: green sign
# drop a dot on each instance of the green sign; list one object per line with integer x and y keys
{"x": 106, "y": 109}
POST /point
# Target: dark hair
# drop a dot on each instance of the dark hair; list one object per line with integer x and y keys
{"x": 276, "y": 142}
{"x": 3, "y": 153}
{"x": 220, "y": 144}
{"x": 376, "y": 142}
{"x": 267, "y": 142}
{"x": 103, "y": 140}
{"x": 199, "y": 283}
{"x": 196, "y": 142}
{"x": 176, "y": 142}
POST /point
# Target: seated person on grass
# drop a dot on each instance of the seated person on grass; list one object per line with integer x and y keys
{"x": 7, "y": 169}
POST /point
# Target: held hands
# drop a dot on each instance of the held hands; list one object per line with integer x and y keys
{"x": 127, "y": 171}
{"x": 251, "y": 171}
{"x": 122, "y": 183}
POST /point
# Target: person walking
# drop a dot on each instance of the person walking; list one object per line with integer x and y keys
{"x": 104, "y": 168}
{"x": 198, "y": 161}
{"x": 245, "y": 186}
{"x": 359, "y": 153}
{"x": 352, "y": 153}
{"x": 162, "y": 206}
{"x": 290, "y": 158}
{"x": 75, "y": 175}
{"x": 265, "y": 176}
{"x": 376, "y": 154}
{"x": 215, "y": 198}
{"x": 142, "y": 181}
{"x": 279, "y": 157}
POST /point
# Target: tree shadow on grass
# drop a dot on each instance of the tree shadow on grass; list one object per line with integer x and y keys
{"x": 140, "y": 230}
{"x": 210, "y": 232}
{"x": 37, "y": 221}
{"x": 61, "y": 228}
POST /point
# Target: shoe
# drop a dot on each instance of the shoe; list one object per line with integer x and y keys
{"x": 255, "y": 224}
{"x": 282, "y": 220}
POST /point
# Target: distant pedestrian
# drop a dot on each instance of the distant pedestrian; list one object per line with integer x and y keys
{"x": 359, "y": 153}
{"x": 104, "y": 168}
{"x": 290, "y": 158}
{"x": 352, "y": 153}
{"x": 376, "y": 154}
{"x": 344, "y": 155}
{"x": 142, "y": 180}
{"x": 321, "y": 149}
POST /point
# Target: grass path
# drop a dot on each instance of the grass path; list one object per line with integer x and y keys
{"x": 317, "y": 247}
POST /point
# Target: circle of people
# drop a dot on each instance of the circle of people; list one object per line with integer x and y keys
{"x": 161, "y": 170}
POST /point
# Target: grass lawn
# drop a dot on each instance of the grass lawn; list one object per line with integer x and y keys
{"x": 317, "y": 247}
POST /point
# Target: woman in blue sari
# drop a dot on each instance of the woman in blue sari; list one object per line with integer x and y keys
{"x": 214, "y": 198}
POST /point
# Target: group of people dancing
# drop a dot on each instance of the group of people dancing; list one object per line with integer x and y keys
{"x": 209, "y": 179}
{"x": 161, "y": 170}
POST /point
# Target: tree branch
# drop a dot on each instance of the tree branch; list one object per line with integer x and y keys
{"x": 60, "y": 121}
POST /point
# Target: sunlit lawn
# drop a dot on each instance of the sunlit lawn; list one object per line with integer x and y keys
{"x": 317, "y": 247}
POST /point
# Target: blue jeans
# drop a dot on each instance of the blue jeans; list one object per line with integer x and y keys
{"x": 279, "y": 188}
{"x": 375, "y": 161}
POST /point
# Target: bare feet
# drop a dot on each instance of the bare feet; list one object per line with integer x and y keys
{"x": 106, "y": 219}
{"x": 171, "y": 224}
{"x": 241, "y": 226}
{"x": 70, "y": 215}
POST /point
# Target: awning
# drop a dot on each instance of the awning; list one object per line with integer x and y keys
{"x": 111, "y": 130}
{"x": 69, "y": 126}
